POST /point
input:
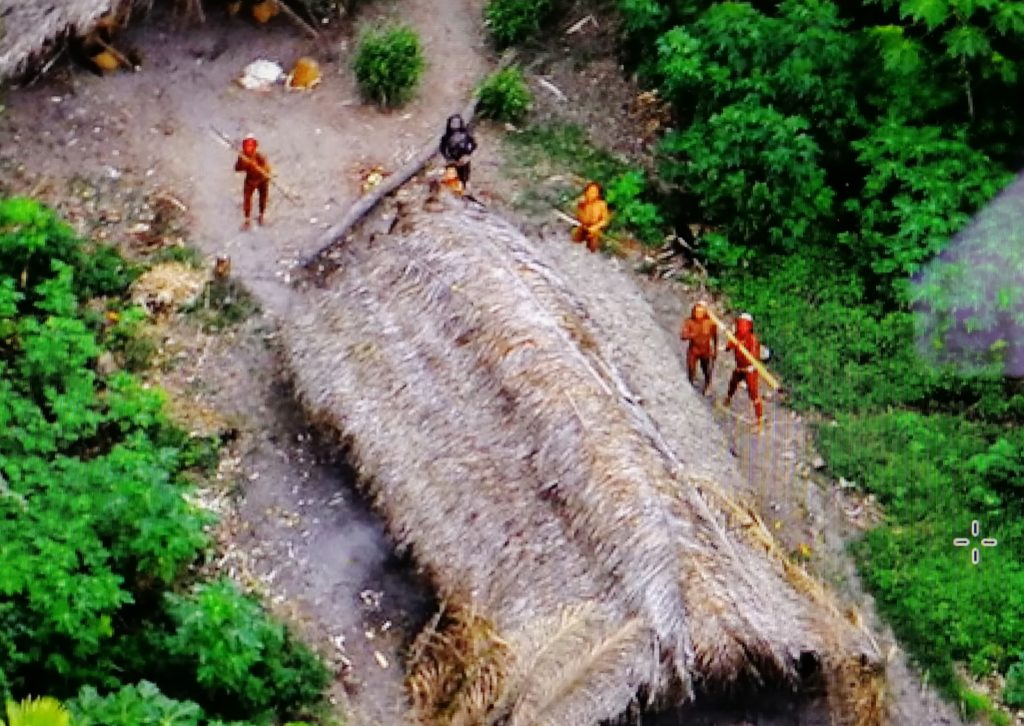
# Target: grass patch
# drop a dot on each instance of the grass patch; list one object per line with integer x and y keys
{"x": 179, "y": 253}
{"x": 223, "y": 304}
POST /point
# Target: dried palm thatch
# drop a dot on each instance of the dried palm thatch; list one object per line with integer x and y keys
{"x": 26, "y": 25}
{"x": 517, "y": 415}
{"x": 169, "y": 286}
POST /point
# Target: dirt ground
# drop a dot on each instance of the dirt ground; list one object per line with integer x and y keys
{"x": 104, "y": 150}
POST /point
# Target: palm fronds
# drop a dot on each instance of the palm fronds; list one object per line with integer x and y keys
{"x": 517, "y": 414}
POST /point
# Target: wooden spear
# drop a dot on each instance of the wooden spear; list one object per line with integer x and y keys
{"x": 576, "y": 223}
{"x": 758, "y": 365}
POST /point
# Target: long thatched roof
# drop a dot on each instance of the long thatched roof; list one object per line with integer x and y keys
{"x": 25, "y": 25}
{"x": 518, "y": 417}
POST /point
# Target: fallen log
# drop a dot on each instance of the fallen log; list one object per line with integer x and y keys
{"x": 335, "y": 234}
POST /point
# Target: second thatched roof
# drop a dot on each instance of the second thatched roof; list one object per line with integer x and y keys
{"x": 26, "y": 25}
{"x": 519, "y": 419}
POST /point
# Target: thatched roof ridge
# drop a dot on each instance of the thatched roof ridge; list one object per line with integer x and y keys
{"x": 25, "y": 25}
{"x": 518, "y": 427}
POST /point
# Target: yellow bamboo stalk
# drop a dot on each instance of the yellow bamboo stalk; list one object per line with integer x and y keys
{"x": 758, "y": 365}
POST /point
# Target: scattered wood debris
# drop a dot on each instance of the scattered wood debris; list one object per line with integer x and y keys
{"x": 582, "y": 23}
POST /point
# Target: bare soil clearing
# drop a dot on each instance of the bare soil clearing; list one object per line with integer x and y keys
{"x": 97, "y": 148}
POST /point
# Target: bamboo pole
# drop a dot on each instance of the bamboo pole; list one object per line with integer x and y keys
{"x": 297, "y": 20}
{"x": 758, "y": 365}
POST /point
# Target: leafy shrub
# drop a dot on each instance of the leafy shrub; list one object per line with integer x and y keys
{"x": 239, "y": 653}
{"x": 1013, "y": 694}
{"x": 986, "y": 660}
{"x": 86, "y": 563}
{"x": 137, "y": 705}
{"x": 513, "y": 21}
{"x": 919, "y": 189}
{"x": 1001, "y": 465}
{"x": 32, "y": 238}
{"x": 624, "y": 194}
{"x": 389, "y": 63}
{"x": 757, "y": 173}
{"x": 504, "y": 96}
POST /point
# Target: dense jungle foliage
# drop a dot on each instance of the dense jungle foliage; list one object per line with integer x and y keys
{"x": 839, "y": 152}
{"x": 99, "y": 605}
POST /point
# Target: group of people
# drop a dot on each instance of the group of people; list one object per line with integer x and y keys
{"x": 456, "y": 146}
{"x": 699, "y": 330}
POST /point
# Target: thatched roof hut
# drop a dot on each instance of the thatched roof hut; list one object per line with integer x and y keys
{"x": 26, "y": 25}
{"x": 519, "y": 419}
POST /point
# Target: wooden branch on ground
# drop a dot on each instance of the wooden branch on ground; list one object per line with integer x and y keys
{"x": 335, "y": 235}
{"x": 118, "y": 55}
{"x": 295, "y": 18}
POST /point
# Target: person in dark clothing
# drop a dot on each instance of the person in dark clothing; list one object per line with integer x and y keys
{"x": 456, "y": 146}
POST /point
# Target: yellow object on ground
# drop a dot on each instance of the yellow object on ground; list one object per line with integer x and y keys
{"x": 305, "y": 74}
{"x": 106, "y": 61}
{"x": 371, "y": 178}
{"x": 265, "y": 10}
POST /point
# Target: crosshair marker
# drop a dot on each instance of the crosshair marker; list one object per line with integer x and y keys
{"x": 975, "y": 532}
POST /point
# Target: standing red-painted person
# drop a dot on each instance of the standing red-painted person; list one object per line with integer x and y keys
{"x": 702, "y": 333}
{"x": 745, "y": 369}
{"x": 257, "y": 179}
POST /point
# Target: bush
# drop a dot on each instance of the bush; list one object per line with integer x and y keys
{"x": 138, "y": 705}
{"x": 239, "y": 654}
{"x": 388, "y": 64}
{"x": 624, "y": 194}
{"x": 513, "y": 21}
{"x": 32, "y": 238}
{"x": 504, "y": 96}
{"x": 1014, "y": 691}
{"x": 757, "y": 173}
{"x": 86, "y": 564}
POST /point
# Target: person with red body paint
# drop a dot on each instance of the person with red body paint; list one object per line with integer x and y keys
{"x": 257, "y": 178}
{"x": 702, "y": 334}
{"x": 745, "y": 370}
